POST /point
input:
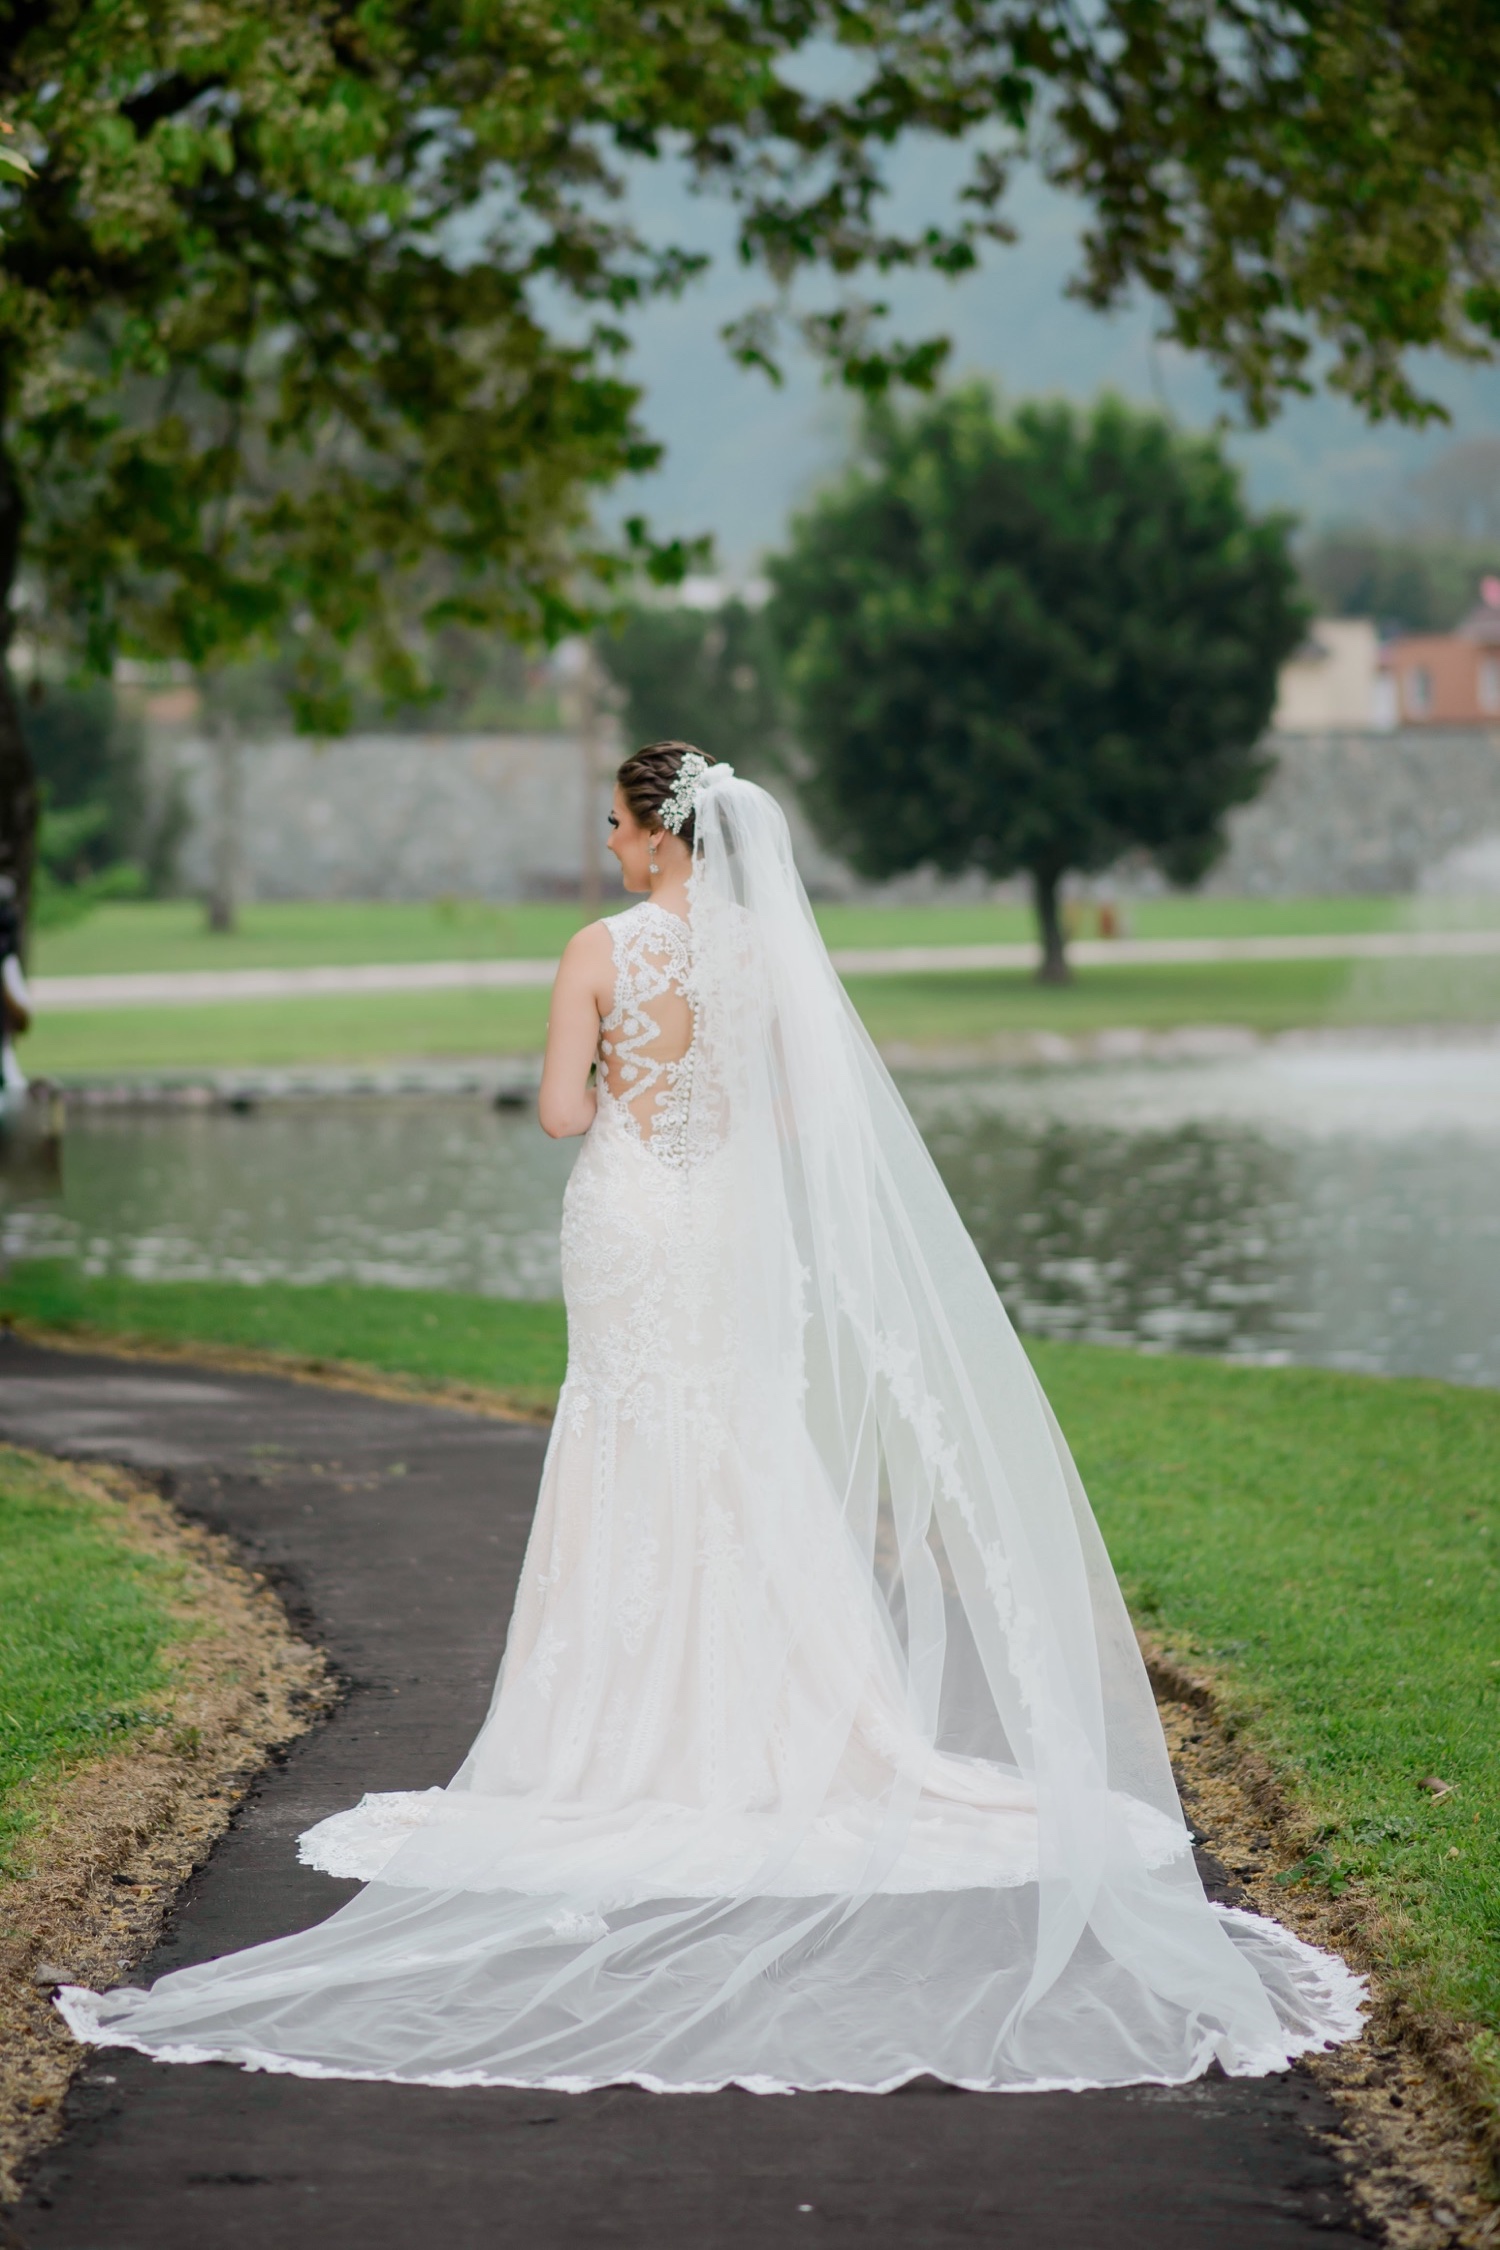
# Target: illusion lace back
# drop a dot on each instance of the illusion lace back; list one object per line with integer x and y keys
{"x": 821, "y": 1753}
{"x": 646, "y": 1040}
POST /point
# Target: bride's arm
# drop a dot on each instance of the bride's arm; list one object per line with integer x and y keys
{"x": 585, "y": 974}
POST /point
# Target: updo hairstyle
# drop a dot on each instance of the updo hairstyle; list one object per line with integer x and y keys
{"x": 646, "y": 780}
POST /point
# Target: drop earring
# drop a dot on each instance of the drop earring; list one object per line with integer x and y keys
{"x": 651, "y": 865}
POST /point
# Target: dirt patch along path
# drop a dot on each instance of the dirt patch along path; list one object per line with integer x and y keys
{"x": 394, "y": 1532}
{"x": 108, "y": 1844}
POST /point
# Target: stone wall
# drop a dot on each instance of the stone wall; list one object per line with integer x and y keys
{"x": 397, "y": 816}
{"x": 1364, "y": 812}
{"x": 392, "y": 816}
{"x": 502, "y": 817}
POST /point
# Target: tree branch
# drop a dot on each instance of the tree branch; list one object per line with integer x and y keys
{"x": 169, "y": 97}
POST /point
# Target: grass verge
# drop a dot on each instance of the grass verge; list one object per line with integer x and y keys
{"x": 141, "y": 934}
{"x": 515, "y": 1352}
{"x": 352, "y": 1028}
{"x": 958, "y": 1009}
{"x": 87, "y": 1624}
{"x": 144, "y": 1677}
{"x": 1324, "y": 1546}
{"x": 963, "y": 1009}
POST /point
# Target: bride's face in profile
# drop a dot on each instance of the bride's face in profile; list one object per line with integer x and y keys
{"x": 631, "y": 844}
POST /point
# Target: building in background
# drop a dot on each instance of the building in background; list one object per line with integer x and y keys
{"x": 1345, "y": 679}
{"x": 1448, "y": 679}
{"x": 1333, "y": 681}
{"x": 1387, "y": 766}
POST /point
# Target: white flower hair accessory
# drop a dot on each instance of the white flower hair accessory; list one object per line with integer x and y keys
{"x": 694, "y": 775}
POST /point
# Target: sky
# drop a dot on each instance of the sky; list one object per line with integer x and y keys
{"x": 743, "y": 455}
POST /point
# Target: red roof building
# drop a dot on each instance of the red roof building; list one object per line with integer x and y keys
{"x": 1447, "y": 679}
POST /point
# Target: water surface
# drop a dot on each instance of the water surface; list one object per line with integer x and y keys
{"x": 1338, "y": 1205}
{"x": 1332, "y": 1204}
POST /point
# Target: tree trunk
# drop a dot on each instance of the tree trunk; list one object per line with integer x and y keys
{"x": 1053, "y": 966}
{"x": 225, "y": 887}
{"x": 590, "y": 886}
{"x": 20, "y": 799}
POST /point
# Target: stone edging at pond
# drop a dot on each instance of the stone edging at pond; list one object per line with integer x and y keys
{"x": 509, "y": 1083}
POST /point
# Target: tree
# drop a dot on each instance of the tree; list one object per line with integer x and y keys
{"x": 100, "y": 835}
{"x": 89, "y": 754}
{"x": 1412, "y": 584}
{"x": 1308, "y": 192}
{"x": 309, "y": 316}
{"x": 705, "y": 675}
{"x": 1032, "y": 642}
{"x": 1419, "y": 572}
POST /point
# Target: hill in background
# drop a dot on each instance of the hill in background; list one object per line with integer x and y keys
{"x": 742, "y": 454}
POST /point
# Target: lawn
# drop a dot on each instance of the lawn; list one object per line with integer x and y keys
{"x": 952, "y": 1008}
{"x": 498, "y": 1343}
{"x": 84, "y": 1632}
{"x": 935, "y": 1010}
{"x": 358, "y": 1028}
{"x": 1325, "y": 1543}
{"x": 171, "y": 933}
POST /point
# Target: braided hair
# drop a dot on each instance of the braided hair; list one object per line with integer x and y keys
{"x": 646, "y": 780}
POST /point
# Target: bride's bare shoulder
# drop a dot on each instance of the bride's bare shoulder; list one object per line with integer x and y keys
{"x": 592, "y": 943}
{"x": 587, "y": 960}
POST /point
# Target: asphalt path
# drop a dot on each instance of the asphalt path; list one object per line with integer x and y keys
{"x": 196, "y": 988}
{"x": 395, "y": 1533}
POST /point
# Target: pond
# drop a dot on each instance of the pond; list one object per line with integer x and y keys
{"x": 1337, "y": 1204}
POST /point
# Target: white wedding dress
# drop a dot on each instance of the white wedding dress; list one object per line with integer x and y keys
{"x": 821, "y": 1754}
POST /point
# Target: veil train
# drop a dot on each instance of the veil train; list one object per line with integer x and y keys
{"x": 822, "y": 1754}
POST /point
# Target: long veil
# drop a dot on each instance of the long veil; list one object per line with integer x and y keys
{"x": 940, "y": 1833}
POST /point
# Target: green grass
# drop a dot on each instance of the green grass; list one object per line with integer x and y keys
{"x": 352, "y": 1029}
{"x": 954, "y": 1008}
{"x": 171, "y": 933}
{"x": 1328, "y": 1544}
{"x": 84, "y": 1626}
{"x": 934, "y": 1010}
{"x": 1147, "y": 918}
{"x": 496, "y": 1342}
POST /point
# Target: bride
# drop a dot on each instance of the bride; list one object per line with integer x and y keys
{"x": 822, "y": 1754}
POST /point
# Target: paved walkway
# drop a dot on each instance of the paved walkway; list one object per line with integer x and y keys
{"x": 195, "y": 988}
{"x": 407, "y": 1577}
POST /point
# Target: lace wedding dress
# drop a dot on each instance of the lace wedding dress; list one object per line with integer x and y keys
{"x": 821, "y": 1754}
